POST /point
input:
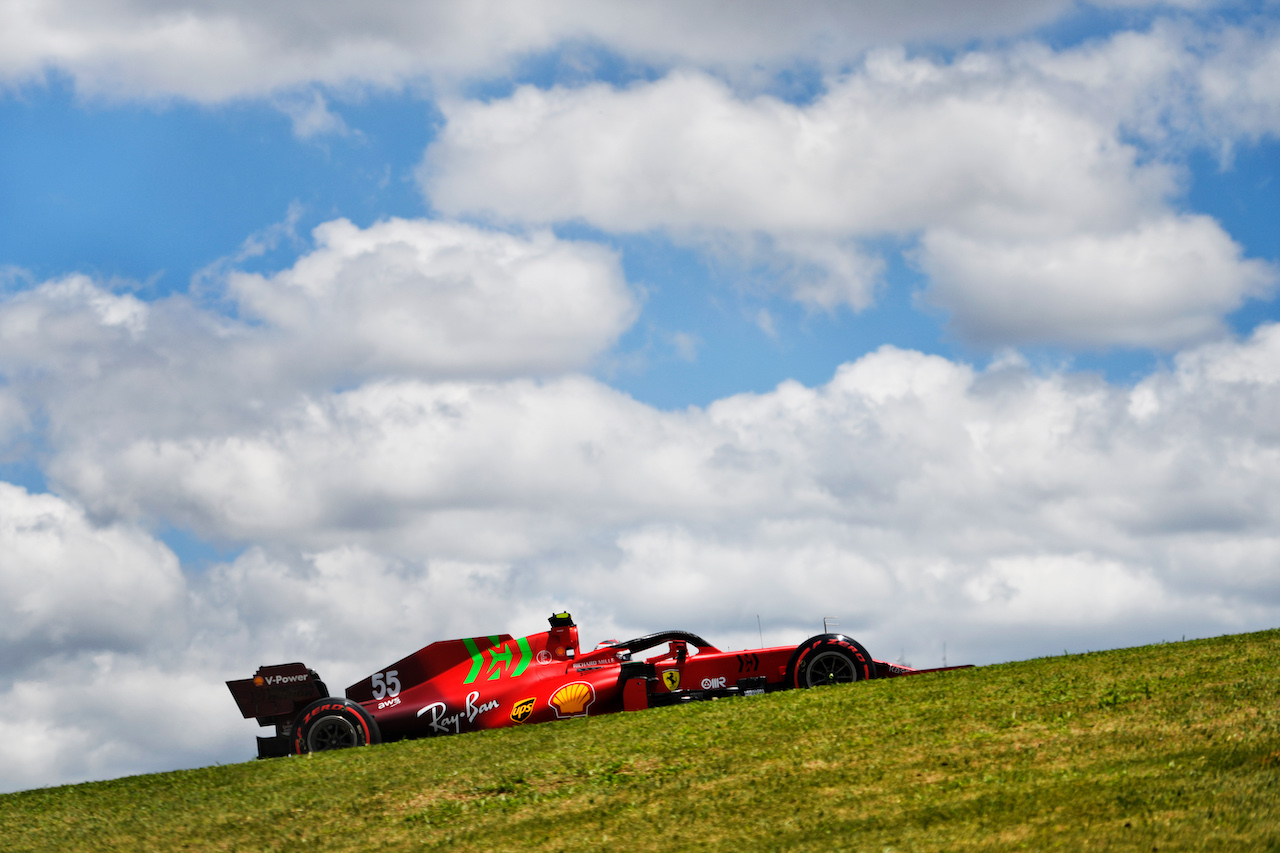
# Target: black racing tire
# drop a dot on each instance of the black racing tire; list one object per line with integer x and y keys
{"x": 333, "y": 723}
{"x": 830, "y": 659}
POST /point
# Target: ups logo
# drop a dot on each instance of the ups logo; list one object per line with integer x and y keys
{"x": 522, "y": 710}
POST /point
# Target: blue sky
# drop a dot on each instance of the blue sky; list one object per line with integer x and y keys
{"x": 432, "y": 318}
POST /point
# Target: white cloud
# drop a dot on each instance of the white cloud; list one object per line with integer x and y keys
{"x": 413, "y": 466}
{"x": 472, "y": 470}
{"x": 311, "y": 115}
{"x": 1238, "y": 85}
{"x": 866, "y": 158}
{"x": 900, "y": 457}
{"x": 69, "y": 316}
{"x": 413, "y": 295}
{"x": 919, "y": 500}
{"x": 1040, "y": 217}
{"x": 1065, "y": 589}
{"x": 66, "y": 583}
{"x": 1160, "y": 285}
{"x": 210, "y": 53}
{"x": 96, "y": 716}
{"x": 400, "y": 298}
{"x": 1176, "y": 85}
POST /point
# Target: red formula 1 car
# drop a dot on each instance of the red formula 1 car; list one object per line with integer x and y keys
{"x": 477, "y": 683}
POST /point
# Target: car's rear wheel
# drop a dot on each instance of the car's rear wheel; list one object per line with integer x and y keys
{"x": 830, "y": 659}
{"x": 333, "y": 723}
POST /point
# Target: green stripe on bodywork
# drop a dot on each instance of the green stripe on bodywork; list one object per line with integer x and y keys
{"x": 526, "y": 656}
{"x": 476, "y": 660}
{"x": 498, "y": 657}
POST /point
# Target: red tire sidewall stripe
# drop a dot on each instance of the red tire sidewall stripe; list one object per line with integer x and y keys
{"x": 340, "y": 708}
{"x": 364, "y": 724}
{"x": 858, "y": 657}
{"x": 802, "y": 661}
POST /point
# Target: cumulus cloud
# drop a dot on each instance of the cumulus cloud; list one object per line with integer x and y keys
{"x": 1238, "y": 84}
{"x": 66, "y": 583}
{"x": 1172, "y": 86}
{"x": 1022, "y": 162}
{"x": 919, "y": 500}
{"x": 95, "y": 716}
{"x": 455, "y": 468}
{"x": 902, "y": 459}
{"x": 903, "y": 144}
{"x": 1159, "y": 285}
{"x": 213, "y": 53}
{"x": 413, "y": 295}
{"x": 424, "y": 299}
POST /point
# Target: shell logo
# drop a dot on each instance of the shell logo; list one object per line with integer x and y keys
{"x": 573, "y": 700}
{"x": 257, "y": 681}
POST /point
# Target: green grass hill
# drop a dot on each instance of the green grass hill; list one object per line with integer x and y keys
{"x": 1167, "y": 747}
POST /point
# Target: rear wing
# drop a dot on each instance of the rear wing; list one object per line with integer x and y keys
{"x": 277, "y": 692}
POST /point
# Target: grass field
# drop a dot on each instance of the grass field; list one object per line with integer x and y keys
{"x": 1167, "y": 747}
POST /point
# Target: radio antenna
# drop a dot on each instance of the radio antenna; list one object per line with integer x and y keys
{"x": 760, "y": 628}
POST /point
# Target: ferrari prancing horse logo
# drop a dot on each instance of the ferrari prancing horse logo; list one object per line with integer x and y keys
{"x": 671, "y": 678}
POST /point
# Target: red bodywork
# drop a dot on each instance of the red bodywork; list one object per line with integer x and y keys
{"x": 478, "y": 683}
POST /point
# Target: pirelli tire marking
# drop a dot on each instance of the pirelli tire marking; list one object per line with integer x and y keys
{"x": 827, "y": 652}
{"x": 345, "y": 716}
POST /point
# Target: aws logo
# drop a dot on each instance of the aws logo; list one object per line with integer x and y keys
{"x": 522, "y": 710}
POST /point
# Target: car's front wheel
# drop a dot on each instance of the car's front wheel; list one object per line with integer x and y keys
{"x": 830, "y": 659}
{"x": 333, "y": 723}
